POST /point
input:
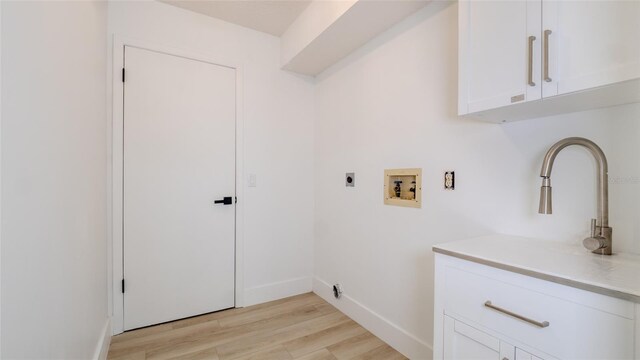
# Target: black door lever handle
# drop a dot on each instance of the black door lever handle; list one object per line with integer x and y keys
{"x": 227, "y": 200}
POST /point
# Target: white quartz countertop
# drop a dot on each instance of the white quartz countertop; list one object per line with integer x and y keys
{"x": 616, "y": 275}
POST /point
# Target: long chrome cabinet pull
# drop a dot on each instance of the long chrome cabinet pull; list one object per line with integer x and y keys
{"x": 546, "y": 55}
{"x": 543, "y": 324}
{"x": 531, "y": 40}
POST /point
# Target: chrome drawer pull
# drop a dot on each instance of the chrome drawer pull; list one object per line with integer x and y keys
{"x": 543, "y": 324}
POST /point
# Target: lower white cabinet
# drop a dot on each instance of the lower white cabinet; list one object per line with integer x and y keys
{"x": 482, "y": 312}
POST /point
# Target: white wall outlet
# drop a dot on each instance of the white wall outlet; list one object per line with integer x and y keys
{"x": 252, "y": 181}
{"x": 450, "y": 180}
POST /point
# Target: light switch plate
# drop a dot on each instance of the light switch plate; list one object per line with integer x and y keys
{"x": 252, "y": 181}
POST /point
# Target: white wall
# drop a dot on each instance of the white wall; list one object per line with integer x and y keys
{"x": 54, "y": 298}
{"x": 392, "y": 104}
{"x": 278, "y": 139}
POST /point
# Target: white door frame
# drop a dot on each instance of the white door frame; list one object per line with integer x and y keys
{"x": 115, "y": 169}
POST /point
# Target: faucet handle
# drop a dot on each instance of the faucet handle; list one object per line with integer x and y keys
{"x": 593, "y": 227}
{"x": 594, "y": 243}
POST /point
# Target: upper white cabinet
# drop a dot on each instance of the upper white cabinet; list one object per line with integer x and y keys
{"x": 591, "y": 44}
{"x": 494, "y": 53}
{"x": 517, "y": 58}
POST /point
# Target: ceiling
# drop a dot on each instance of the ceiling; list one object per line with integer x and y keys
{"x": 272, "y": 17}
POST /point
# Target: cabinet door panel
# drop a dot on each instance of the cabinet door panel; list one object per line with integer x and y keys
{"x": 495, "y": 48}
{"x": 463, "y": 342}
{"x": 523, "y": 355}
{"x": 592, "y": 43}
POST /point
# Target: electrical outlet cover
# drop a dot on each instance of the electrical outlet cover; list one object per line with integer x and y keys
{"x": 450, "y": 180}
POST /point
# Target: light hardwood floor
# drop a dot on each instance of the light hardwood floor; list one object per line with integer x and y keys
{"x": 301, "y": 327}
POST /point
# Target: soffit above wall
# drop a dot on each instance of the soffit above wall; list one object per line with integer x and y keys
{"x": 272, "y": 17}
{"x": 315, "y": 33}
{"x": 323, "y": 35}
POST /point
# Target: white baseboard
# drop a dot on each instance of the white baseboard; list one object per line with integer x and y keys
{"x": 102, "y": 348}
{"x": 406, "y": 343}
{"x": 277, "y": 290}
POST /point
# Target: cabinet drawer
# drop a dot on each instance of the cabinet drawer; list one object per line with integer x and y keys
{"x": 574, "y": 331}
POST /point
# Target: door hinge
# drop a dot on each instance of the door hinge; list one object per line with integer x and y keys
{"x": 123, "y": 286}
{"x": 122, "y": 74}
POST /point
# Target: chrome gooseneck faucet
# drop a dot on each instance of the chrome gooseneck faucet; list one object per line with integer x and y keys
{"x": 600, "y": 240}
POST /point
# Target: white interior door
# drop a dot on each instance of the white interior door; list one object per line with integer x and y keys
{"x": 179, "y": 157}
